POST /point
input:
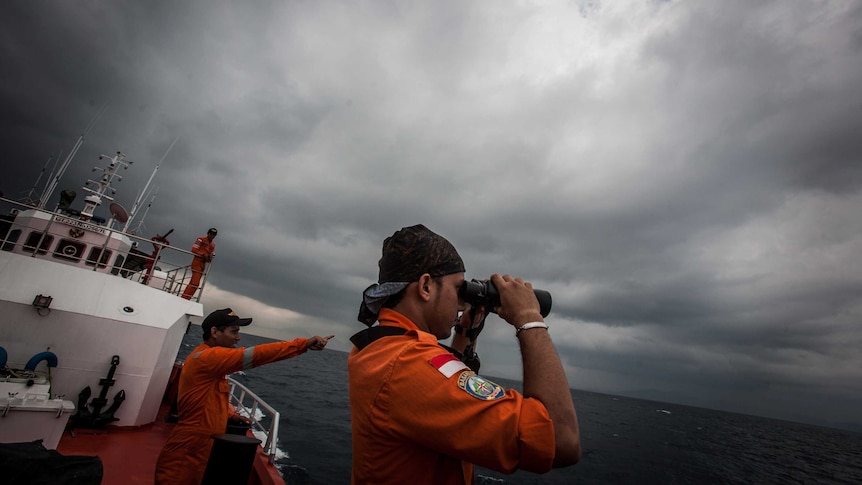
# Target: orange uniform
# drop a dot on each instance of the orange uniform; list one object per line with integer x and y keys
{"x": 204, "y": 249}
{"x": 204, "y": 408}
{"x": 420, "y": 416}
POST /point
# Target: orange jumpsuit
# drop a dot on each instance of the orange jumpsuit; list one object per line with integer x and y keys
{"x": 203, "y": 405}
{"x": 204, "y": 249}
{"x": 420, "y": 416}
{"x": 151, "y": 261}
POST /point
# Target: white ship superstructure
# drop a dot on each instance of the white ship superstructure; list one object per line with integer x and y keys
{"x": 75, "y": 287}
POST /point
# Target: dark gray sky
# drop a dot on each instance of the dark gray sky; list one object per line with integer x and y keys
{"x": 684, "y": 178}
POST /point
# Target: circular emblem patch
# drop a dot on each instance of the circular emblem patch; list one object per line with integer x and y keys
{"x": 479, "y": 387}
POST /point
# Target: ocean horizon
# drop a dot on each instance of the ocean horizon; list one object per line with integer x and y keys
{"x": 624, "y": 439}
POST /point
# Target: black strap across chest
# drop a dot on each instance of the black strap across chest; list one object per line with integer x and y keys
{"x": 365, "y": 337}
{"x": 370, "y": 334}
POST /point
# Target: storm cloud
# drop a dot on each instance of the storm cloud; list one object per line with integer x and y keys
{"x": 684, "y": 178}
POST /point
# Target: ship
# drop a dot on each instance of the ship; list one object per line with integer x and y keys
{"x": 91, "y": 320}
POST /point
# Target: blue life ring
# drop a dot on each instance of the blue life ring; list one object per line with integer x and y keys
{"x": 3, "y": 357}
{"x": 49, "y": 357}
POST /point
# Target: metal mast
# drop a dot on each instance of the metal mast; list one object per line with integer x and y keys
{"x": 56, "y": 178}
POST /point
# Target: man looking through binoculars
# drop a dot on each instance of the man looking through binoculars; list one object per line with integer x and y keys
{"x": 419, "y": 414}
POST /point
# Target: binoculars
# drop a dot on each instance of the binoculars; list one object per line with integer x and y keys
{"x": 477, "y": 292}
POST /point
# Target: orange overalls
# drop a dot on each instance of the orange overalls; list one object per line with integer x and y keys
{"x": 204, "y": 408}
{"x": 204, "y": 249}
{"x": 159, "y": 242}
{"x": 420, "y": 416}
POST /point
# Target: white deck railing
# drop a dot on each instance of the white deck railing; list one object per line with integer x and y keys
{"x": 249, "y": 404}
{"x": 164, "y": 267}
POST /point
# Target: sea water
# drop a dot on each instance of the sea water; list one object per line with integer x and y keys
{"x": 624, "y": 440}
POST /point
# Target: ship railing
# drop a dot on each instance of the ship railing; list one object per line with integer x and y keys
{"x": 97, "y": 246}
{"x": 264, "y": 418}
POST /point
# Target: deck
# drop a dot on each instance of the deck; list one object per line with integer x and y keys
{"x": 129, "y": 454}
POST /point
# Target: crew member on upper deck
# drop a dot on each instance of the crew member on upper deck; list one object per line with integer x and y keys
{"x": 204, "y": 250}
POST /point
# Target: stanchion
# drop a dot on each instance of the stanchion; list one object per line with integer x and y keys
{"x": 231, "y": 460}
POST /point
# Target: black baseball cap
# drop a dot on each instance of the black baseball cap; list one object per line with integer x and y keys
{"x": 224, "y": 318}
{"x": 212, "y": 231}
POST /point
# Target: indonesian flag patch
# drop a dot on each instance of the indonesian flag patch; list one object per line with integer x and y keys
{"x": 447, "y": 364}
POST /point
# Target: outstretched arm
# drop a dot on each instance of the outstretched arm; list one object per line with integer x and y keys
{"x": 544, "y": 378}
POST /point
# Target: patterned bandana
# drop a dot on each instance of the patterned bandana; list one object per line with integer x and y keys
{"x": 407, "y": 255}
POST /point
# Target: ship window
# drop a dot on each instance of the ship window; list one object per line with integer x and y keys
{"x": 69, "y": 250}
{"x": 94, "y": 255}
{"x": 12, "y": 238}
{"x": 33, "y": 240}
{"x": 118, "y": 263}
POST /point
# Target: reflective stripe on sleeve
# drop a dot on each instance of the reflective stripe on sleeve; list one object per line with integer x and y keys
{"x": 247, "y": 358}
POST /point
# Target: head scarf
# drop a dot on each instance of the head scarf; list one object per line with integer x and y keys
{"x": 407, "y": 255}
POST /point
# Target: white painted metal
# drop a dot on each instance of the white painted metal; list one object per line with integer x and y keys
{"x": 250, "y": 405}
{"x": 99, "y": 307}
{"x": 93, "y": 316}
{"x": 33, "y": 417}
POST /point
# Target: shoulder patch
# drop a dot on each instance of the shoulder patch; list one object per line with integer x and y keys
{"x": 447, "y": 364}
{"x": 479, "y": 387}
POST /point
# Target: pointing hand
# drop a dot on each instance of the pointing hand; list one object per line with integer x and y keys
{"x": 318, "y": 343}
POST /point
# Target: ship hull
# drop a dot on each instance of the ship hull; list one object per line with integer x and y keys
{"x": 93, "y": 317}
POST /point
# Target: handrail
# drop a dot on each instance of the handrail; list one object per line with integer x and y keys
{"x": 170, "y": 273}
{"x": 250, "y": 410}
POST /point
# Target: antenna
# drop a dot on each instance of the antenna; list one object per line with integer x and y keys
{"x": 140, "y": 225}
{"x": 102, "y": 186}
{"x": 51, "y": 176}
{"x": 143, "y": 192}
{"x": 31, "y": 194}
{"x": 53, "y": 184}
